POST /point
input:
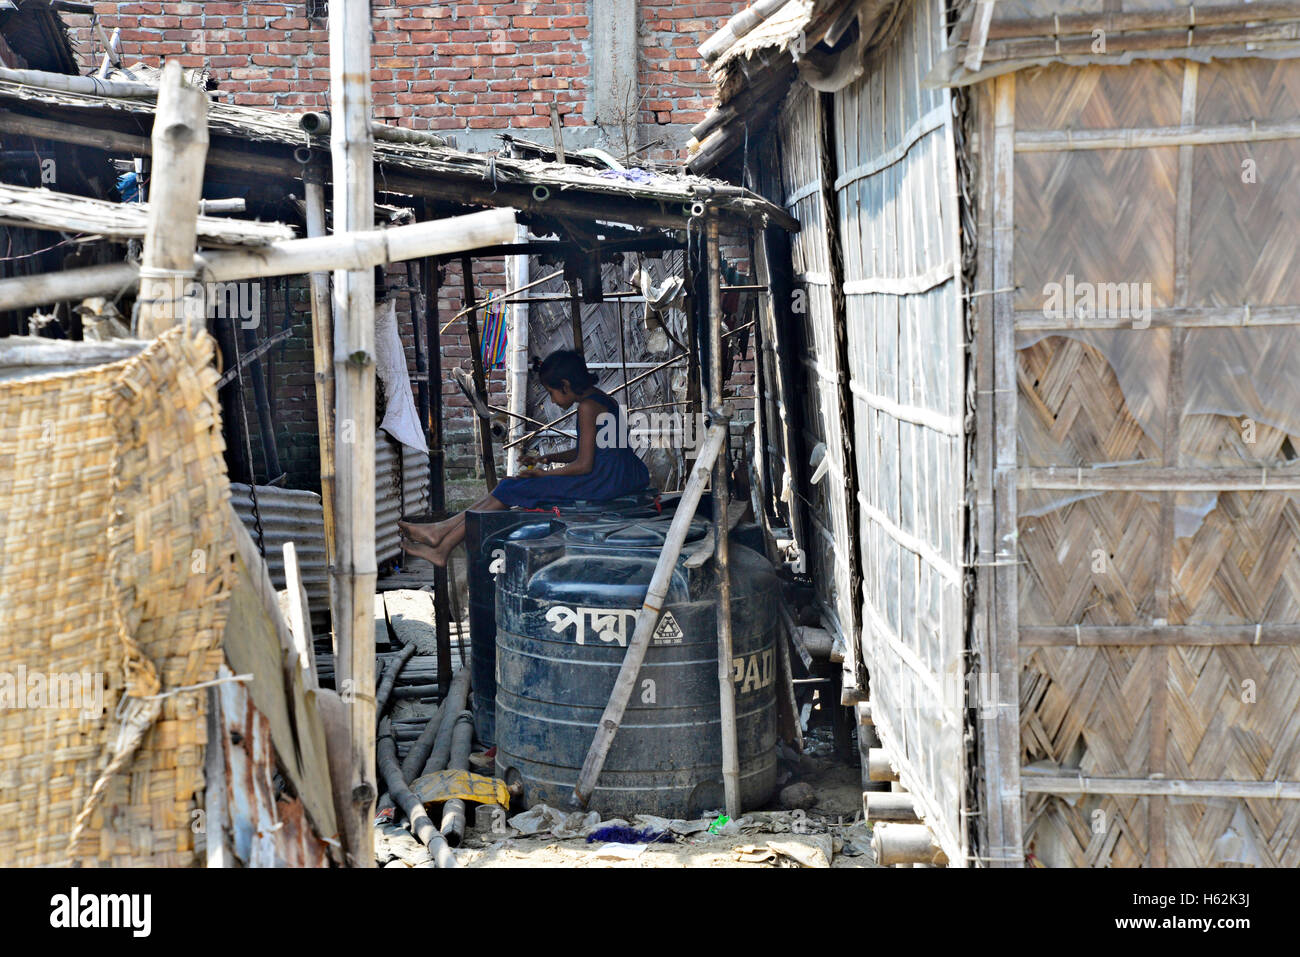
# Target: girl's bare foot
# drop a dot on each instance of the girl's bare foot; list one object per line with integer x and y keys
{"x": 437, "y": 556}
{"x": 430, "y": 534}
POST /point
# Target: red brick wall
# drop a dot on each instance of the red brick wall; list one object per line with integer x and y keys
{"x": 470, "y": 67}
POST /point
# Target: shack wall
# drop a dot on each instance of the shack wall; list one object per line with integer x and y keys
{"x": 1157, "y": 600}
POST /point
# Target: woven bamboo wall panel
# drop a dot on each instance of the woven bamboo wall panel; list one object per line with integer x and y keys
{"x": 1093, "y": 561}
{"x": 1100, "y": 98}
{"x": 1243, "y": 246}
{"x": 1092, "y": 398}
{"x": 1090, "y": 831}
{"x": 1101, "y": 216}
{"x": 1104, "y": 831}
{"x": 1210, "y": 709}
{"x": 114, "y": 561}
{"x": 802, "y": 135}
{"x": 1242, "y": 564}
{"x": 895, "y": 186}
{"x": 1230, "y": 91}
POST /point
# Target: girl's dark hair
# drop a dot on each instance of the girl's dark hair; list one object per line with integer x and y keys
{"x": 561, "y": 365}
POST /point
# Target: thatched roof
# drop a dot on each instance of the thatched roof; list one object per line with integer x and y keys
{"x": 824, "y": 43}
{"x": 265, "y": 142}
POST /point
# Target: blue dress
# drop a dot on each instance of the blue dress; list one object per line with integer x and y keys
{"x": 614, "y": 472}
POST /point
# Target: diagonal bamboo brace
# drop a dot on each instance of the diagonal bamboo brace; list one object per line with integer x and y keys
{"x": 648, "y": 618}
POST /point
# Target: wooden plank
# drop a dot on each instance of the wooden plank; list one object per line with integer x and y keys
{"x": 257, "y": 641}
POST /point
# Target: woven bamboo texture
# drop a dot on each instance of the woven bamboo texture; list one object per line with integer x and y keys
{"x": 895, "y": 183}
{"x": 114, "y": 561}
{"x": 1186, "y": 220}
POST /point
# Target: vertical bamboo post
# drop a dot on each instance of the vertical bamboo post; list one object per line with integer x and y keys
{"x": 437, "y": 463}
{"x": 1006, "y": 639}
{"x": 518, "y": 352}
{"x": 354, "y": 405}
{"x": 322, "y": 347}
{"x": 480, "y": 380}
{"x": 721, "y": 502}
{"x": 180, "y": 150}
{"x": 575, "y": 317}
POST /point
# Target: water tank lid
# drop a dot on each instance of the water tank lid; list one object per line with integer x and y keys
{"x": 532, "y": 530}
{"x": 627, "y": 534}
{"x": 631, "y": 500}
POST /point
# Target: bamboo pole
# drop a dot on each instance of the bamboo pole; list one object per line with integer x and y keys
{"x": 1048, "y": 141}
{"x": 1035, "y": 782}
{"x": 1170, "y": 478}
{"x": 421, "y": 825}
{"x": 354, "y": 406}
{"x": 575, "y": 318}
{"x": 1094, "y": 636}
{"x": 1116, "y": 21}
{"x": 89, "y": 85}
{"x": 180, "y": 148}
{"x": 722, "y": 548}
{"x": 318, "y": 124}
{"x": 906, "y": 844}
{"x": 518, "y": 351}
{"x": 480, "y": 380}
{"x": 879, "y": 767}
{"x": 359, "y": 250}
{"x": 437, "y": 460}
{"x": 1005, "y": 778}
{"x": 738, "y": 26}
{"x": 647, "y": 618}
{"x": 889, "y": 806}
{"x": 1117, "y": 44}
{"x": 322, "y": 347}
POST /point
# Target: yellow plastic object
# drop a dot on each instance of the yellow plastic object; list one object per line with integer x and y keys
{"x": 444, "y": 785}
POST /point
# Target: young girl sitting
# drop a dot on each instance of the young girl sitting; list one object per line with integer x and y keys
{"x": 589, "y": 471}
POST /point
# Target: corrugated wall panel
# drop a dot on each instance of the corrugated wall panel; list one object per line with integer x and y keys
{"x": 294, "y": 515}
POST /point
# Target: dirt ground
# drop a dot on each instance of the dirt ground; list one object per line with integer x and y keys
{"x": 827, "y": 831}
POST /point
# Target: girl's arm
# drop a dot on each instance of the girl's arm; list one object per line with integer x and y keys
{"x": 568, "y": 455}
{"x": 583, "y": 457}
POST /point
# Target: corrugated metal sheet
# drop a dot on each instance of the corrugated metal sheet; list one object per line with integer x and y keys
{"x": 397, "y": 494}
{"x": 895, "y": 183}
{"x": 294, "y": 515}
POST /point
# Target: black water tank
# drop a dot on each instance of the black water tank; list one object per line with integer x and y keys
{"x": 567, "y": 607}
{"x": 485, "y": 537}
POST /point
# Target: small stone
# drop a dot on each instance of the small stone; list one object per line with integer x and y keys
{"x": 798, "y": 795}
